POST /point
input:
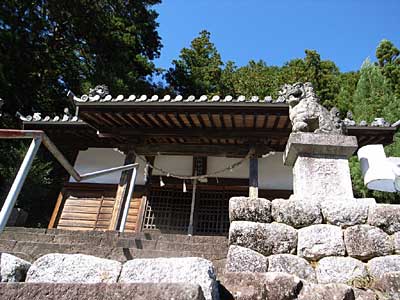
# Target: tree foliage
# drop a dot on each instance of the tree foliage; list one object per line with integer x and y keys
{"x": 371, "y": 92}
{"x": 50, "y": 46}
{"x": 198, "y": 69}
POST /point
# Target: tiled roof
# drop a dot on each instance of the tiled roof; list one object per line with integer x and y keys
{"x": 37, "y": 117}
{"x": 179, "y": 98}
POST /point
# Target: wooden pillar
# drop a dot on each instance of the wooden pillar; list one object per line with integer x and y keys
{"x": 122, "y": 191}
{"x": 149, "y": 183}
{"x": 253, "y": 178}
{"x": 190, "y": 228}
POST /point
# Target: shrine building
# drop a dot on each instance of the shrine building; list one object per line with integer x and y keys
{"x": 193, "y": 154}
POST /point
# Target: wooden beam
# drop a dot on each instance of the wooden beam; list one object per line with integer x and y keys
{"x": 180, "y": 121}
{"x": 212, "y": 123}
{"x": 191, "y": 122}
{"x": 253, "y": 178}
{"x": 277, "y": 118}
{"x": 195, "y": 132}
{"x": 201, "y": 150}
{"x": 201, "y": 121}
{"x": 221, "y": 120}
{"x": 140, "y": 218}
{"x": 56, "y": 211}
{"x": 169, "y": 119}
{"x": 265, "y": 120}
{"x": 233, "y": 121}
{"x": 122, "y": 191}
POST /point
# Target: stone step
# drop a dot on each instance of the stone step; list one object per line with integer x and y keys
{"x": 31, "y": 243}
{"x": 63, "y": 241}
{"x": 103, "y": 238}
{"x": 111, "y": 291}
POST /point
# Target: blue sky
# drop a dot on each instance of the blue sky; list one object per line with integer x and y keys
{"x": 346, "y": 32}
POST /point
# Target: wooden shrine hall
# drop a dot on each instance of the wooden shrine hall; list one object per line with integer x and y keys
{"x": 236, "y": 142}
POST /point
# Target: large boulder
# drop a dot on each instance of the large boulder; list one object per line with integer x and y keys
{"x": 378, "y": 266}
{"x": 296, "y": 213}
{"x": 250, "y": 209}
{"x": 242, "y": 259}
{"x": 249, "y": 286}
{"x": 385, "y": 216}
{"x": 12, "y": 268}
{"x": 388, "y": 284}
{"x": 317, "y": 241}
{"x": 333, "y": 291}
{"x": 281, "y": 286}
{"x": 346, "y": 212}
{"x": 73, "y": 268}
{"x": 365, "y": 242}
{"x": 362, "y": 294}
{"x": 192, "y": 270}
{"x": 242, "y": 285}
{"x": 267, "y": 239}
{"x": 291, "y": 264}
{"x": 336, "y": 269}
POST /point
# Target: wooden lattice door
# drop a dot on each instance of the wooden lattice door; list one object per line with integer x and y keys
{"x": 168, "y": 210}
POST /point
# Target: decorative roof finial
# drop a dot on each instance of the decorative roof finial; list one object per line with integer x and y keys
{"x": 101, "y": 90}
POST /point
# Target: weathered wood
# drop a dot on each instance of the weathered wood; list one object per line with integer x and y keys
{"x": 140, "y": 215}
{"x": 195, "y": 132}
{"x": 277, "y": 119}
{"x": 253, "y": 178}
{"x": 190, "y": 228}
{"x": 56, "y": 211}
{"x": 228, "y": 150}
{"x": 122, "y": 191}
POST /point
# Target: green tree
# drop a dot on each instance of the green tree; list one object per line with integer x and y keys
{"x": 372, "y": 98}
{"x": 198, "y": 69}
{"x": 347, "y": 85}
{"x": 323, "y": 74}
{"x": 50, "y": 46}
{"x": 47, "y": 47}
{"x": 256, "y": 78}
{"x": 389, "y": 61}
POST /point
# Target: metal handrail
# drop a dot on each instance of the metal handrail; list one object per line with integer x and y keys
{"x": 38, "y": 137}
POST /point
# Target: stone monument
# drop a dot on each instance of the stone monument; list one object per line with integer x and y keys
{"x": 317, "y": 149}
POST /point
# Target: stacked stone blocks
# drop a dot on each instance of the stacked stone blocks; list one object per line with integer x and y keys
{"x": 319, "y": 241}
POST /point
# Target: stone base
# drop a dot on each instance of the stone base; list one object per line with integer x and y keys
{"x": 322, "y": 178}
{"x": 320, "y": 166}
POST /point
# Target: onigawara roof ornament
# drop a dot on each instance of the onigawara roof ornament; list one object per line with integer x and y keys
{"x": 306, "y": 113}
{"x": 100, "y": 90}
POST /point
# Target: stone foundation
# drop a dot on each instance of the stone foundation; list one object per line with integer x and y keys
{"x": 329, "y": 241}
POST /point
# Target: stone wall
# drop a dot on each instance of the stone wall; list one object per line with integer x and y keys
{"x": 351, "y": 241}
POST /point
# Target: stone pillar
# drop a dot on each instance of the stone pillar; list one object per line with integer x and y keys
{"x": 320, "y": 166}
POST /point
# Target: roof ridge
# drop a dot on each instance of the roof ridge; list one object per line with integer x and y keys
{"x": 177, "y": 98}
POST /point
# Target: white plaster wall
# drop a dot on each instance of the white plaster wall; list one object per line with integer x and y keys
{"x": 178, "y": 164}
{"x": 272, "y": 174}
{"x": 215, "y": 163}
{"x": 95, "y": 159}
